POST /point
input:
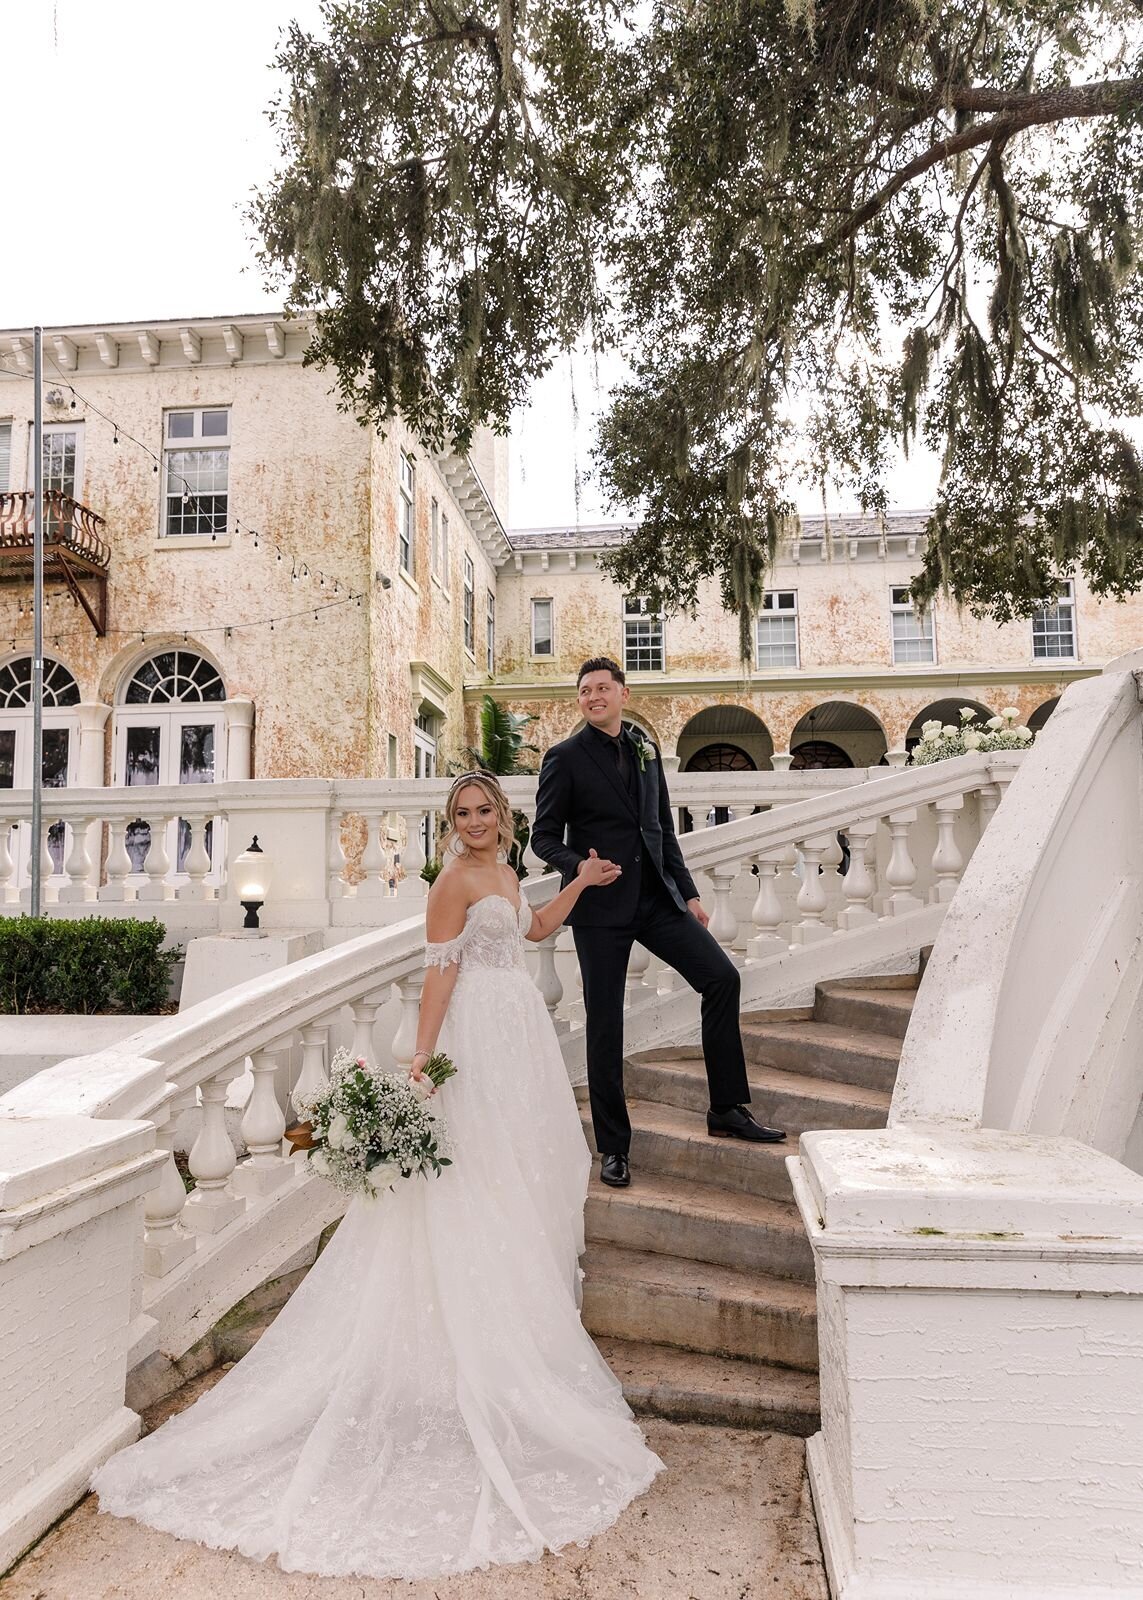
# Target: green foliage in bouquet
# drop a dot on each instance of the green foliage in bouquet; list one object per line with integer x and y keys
{"x": 369, "y": 1129}
{"x": 942, "y": 742}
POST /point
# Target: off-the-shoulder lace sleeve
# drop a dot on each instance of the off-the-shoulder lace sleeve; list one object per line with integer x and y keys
{"x": 447, "y": 954}
{"x": 525, "y": 917}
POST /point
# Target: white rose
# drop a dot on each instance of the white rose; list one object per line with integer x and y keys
{"x": 931, "y": 734}
{"x": 1024, "y": 734}
{"x": 319, "y": 1163}
{"x": 1010, "y": 713}
{"x": 994, "y": 724}
{"x": 383, "y": 1176}
{"x": 338, "y": 1131}
{"x": 927, "y": 727}
{"x": 967, "y": 713}
{"x": 972, "y": 740}
{"x": 949, "y": 731}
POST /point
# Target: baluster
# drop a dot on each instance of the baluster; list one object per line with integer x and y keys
{"x": 766, "y": 912}
{"x": 157, "y": 864}
{"x": 405, "y": 1039}
{"x": 901, "y": 872}
{"x": 412, "y": 885}
{"x": 197, "y": 863}
{"x": 858, "y": 885}
{"x": 723, "y": 923}
{"x": 336, "y": 858}
{"x": 548, "y": 980}
{"x": 165, "y": 1241}
{"x": 118, "y": 866}
{"x": 263, "y": 1126}
{"x": 212, "y": 1160}
{"x": 535, "y": 867}
{"x": 77, "y": 865}
{"x": 637, "y": 964}
{"x": 9, "y": 893}
{"x": 988, "y": 798}
{"x": 948, "y": 862}
{"x": 812, "y": 896}
{"x": 364, "y": 1016}
{"x": 834, "y": 854}
{"x": 374, "y": 863}
{"x": 709, "y": 812}
{"x": 47, "y": 867}
{"x": 313, "y": 1079}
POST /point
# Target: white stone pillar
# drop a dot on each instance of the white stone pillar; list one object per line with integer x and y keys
{"x": 239, "y": 739}
{"x": 89, "y": 770}
{"x": 980, "y": 1296}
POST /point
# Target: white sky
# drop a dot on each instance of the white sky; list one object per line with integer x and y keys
{"x": 134, "y": 132}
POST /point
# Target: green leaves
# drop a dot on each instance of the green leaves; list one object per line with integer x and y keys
{"x": 91, "y": 965}
{"x": 502, "y": 739}
{"x": 814, "y": 228}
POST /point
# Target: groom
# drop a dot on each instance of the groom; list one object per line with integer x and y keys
{"x": 602, "y": 792}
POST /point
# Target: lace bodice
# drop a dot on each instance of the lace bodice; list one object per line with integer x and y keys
{"x": 493, "y": 936}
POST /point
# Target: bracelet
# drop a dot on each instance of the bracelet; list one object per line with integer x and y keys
{"x": 428, "y": 1055}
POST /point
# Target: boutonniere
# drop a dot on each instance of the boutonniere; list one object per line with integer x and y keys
{"x": 644, "y": 752}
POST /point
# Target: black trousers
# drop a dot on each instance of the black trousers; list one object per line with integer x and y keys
{"x": 685, "y": 945}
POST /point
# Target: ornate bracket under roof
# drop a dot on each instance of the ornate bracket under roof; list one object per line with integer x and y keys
{"x": 476, "y": 503}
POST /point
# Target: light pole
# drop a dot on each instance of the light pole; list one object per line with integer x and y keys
{"x": 37, "y": 612}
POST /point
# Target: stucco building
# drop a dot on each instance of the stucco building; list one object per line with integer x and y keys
{"x": 243, "y": 581}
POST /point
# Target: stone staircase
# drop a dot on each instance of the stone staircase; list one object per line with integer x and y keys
{"x": 699, "y": 1278}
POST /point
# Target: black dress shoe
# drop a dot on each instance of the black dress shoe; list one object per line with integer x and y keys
{"x": 737, "y": 1123}
{"x": 615, "y": 1171}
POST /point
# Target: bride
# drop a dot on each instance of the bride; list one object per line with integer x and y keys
{"x": 428, "y": 1401}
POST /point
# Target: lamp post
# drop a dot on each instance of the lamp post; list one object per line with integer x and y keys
{"x": 252, "y": 874}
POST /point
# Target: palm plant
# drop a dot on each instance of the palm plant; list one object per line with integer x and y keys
{"x": 502, "y": 744}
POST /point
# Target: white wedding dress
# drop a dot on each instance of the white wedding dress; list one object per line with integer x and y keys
{"x": 427, "y": 1401}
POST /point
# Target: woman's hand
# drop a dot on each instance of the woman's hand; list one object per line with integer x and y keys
{"x": 596, "y": 873}
{"x": 420, "y": 1061}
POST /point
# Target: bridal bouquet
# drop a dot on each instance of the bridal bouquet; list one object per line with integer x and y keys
{"x": 369, "y": 1129}
{"x": 941, "y": 743}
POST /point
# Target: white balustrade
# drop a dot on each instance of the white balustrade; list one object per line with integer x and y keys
{"x": 165, "y": 1241}
{"x": 9, "y": 894}
{"x": 637, "y": 965}
{"x": 313, "y": 1079}
{"x": 766, "y": 912}
{"x": 948, "y": 860}
{"x": 364, "y": 1016}
{"x": 548, "y": 980}
{"x": 724, "y": 922}
{"x": 858, "y": 885}
{"x": 197, "y": 863}
{"x": 263, "y": 1126}
{"x": 212, "y": 1161}
{"x": 812, "y": 897}
{"x": 77, "y": 866}
{"x": 405, "y": 1039}
{"x": 336, "y": 886}
{"x": 118, "y": 864}
{"x": 534, "y": 867}
{"x": 987, "y": 799}
{"x": 412, "y": 885}
{"x": 901, "y": 871}
{"x": 157, "y": 864}
{"x": 374, "y": 864}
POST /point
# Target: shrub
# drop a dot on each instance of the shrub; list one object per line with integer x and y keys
{"x": 92, "y": 964}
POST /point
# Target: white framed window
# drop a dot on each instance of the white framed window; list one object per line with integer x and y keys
{"x": 406, "y": 528}
{"x": 912, "y": 635}
{"x": 642, "y": 635}
{"x": 63, "y": 458}
{"x": 196, "y": 472}
{"x": 435, "y": 536}
{"x": 490, "y": 631}
{"x": 776, "y": 629}
{"x": 469, "y": 605}
{"x": 5, "y": 457}
{"x": 1054, "y": 627}
{"x": 543, "y": 632}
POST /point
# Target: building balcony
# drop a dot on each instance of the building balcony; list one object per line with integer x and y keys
{"x": 74, "y": 549}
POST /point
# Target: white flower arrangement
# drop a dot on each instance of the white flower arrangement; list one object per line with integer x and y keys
{"x": 368, "y": 1129}
{"x": 941, "y": 743}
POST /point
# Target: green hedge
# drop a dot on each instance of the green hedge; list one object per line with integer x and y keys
{"x": 93, "y": 964}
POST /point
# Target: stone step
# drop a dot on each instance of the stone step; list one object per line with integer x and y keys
{"x": 823, "y": 1050}
{"x": 783, "y": 1099}
{"x": 677, "y": 1217}
{"x": 673, "y": 1141}
{"x": 643, "y": 1297}
{"x": 686, "y": 1386}
{"x": 884, "y": 1011}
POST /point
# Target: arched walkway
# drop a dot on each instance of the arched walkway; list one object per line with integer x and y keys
{"x": 842, "y": 734}
{"x": 732, "y": 727}
{"x": 1041, "y": 714}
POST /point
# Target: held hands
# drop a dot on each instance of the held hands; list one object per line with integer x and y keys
{"x": 593, "y": 872}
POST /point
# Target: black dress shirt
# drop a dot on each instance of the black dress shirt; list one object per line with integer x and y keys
{"x": 621, "y": 753}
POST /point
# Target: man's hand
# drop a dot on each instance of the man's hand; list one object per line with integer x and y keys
{"x": 697, "y": 912}
{"x": 609, "y": 871}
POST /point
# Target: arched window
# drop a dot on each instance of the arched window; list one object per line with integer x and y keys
{"x": 174, "y": 675}
{"x": 816, "y": 755}
{"x": 720, "y": 758}
{"x": 60, "y": 688}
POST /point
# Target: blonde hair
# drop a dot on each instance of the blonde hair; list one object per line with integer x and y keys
{"x": 505, "y": 826}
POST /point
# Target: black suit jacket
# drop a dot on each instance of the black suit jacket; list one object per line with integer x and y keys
{"x": 582, "y": 804}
